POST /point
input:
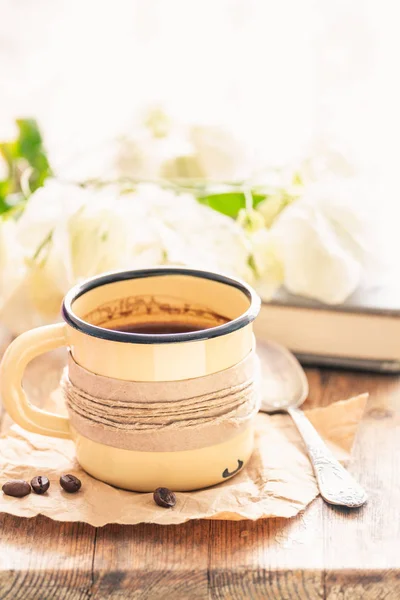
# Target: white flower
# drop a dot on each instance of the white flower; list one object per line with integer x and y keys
{"x": 152, "y": 148}
{"x": 327, "y": 158}
{"x": 86, "y": 241}
{"x": 67, "y": 234}
{"x": 46, "y": 208}
{"x": 183, "y": 152}
{"x": 268, "y": 268}
{"x": 3, "y": 169}
{"x": 362, "y": 215}
{"x": 273, "y": 205}
{"x": 270, "y": 208}
{"x": 219, "y": 154}
{"x": 12, "y": 267}
{"x": 16, "y": 311}
{"x": 143, "y": 156}
{"x": 187, "y": 232}
{"x": 327, "y": 240}
{"x": 98, "y": 236}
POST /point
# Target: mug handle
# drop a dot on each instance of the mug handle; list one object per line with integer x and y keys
{"x": 19, "y": 353}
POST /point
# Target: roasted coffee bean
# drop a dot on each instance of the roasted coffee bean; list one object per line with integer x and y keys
{"x": 70, "y": 483}
{"x": 40, "y": 484}
{"x": 164, "y": 497}
{"x": 17, "y": 488}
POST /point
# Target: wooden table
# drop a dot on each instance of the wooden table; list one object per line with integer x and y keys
{"x": 324, "y": 553}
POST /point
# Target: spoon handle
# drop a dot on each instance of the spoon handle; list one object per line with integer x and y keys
{"x": 336, "y": 485}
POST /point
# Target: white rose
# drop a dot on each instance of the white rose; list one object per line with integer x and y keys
{"x": 219, "y": 154}
{"x": 47, "y": 207}
{"x": 3, "y": 168}
{"x": 12, "y": 266}
{"x": 17, "y": 313}
{"x": 326, "y": 240}
{"x": 165, "y": 148}
{"x": 327, "y": 158}
{"x": 190, "y": 233}
{"x": 92, "y": 240}
{"x": 268, "y": 268}
{"x": 150, "y": 148}
{"x": 143, "y": 156}
{"x": 66, "y": 234}
{"x": 365, "y": 219}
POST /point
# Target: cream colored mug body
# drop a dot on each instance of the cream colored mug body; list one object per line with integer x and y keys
{"x": 115, "y": 299}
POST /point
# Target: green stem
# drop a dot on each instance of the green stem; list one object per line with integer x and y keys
{"x": 43, "y": 244}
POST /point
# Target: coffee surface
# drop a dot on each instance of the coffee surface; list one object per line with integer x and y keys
{"x": 159, "y": 328}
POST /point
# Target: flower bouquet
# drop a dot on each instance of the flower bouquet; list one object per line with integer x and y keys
{"x": 180, "y": 195}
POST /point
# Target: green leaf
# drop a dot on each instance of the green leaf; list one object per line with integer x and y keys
{"x": 9, "y": 151}
{"x": 4, "y": 191}
{"x": 229, "y": 203}
{"x": 30, "y": 147}
{"x": 3, "y": 206}
{"x": 28, "y": 166}
{"x": 257, "y": 198}
{"x": 4, "y": 188}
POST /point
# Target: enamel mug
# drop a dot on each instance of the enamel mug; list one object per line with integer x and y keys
{"x": 90, "y": 310}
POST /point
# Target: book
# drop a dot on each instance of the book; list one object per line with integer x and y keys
{"x": 363, "y": 333}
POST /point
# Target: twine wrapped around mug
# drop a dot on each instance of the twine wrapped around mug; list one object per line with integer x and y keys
{"x": 163, "y": 416}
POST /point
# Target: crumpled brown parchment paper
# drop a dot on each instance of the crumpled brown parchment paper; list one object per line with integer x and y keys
{"x": 277, "y": 482}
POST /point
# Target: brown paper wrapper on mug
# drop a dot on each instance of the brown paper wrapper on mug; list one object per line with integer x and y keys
{"x": 163, "y": 416}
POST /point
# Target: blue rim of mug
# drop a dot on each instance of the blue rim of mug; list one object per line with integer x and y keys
{"x": 147, "y": 338}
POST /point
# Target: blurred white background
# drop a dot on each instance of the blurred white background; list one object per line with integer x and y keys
{"x": 297, "y": 82}
{"x": 284, "y": 74}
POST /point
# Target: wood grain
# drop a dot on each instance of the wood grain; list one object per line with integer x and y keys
{"x": 42, "y": 559}
{"x": 324, "y": 553}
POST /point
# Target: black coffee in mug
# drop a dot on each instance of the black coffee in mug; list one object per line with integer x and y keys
{"x": 160, "y": 328}
{"x": 166, "y": 327}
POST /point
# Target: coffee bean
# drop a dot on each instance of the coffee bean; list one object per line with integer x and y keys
{"x": 17, "y": 488}
{"x": 40, "y": 484}
{"x": 70, "y": 483}
{"x": 164, "y": 497}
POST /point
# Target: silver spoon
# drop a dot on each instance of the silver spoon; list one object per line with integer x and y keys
{"x": 286, "y": 390}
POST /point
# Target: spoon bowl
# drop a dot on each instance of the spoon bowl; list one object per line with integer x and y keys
{"x": 284, "y": 382}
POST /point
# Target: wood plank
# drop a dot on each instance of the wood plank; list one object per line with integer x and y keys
{"x": 362, "y": 547}
{"x": 323, "y": 553}
{"x": 42, "y": 559}
{"x": 151, "y": 561}
{"x": 368, "y": 538}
